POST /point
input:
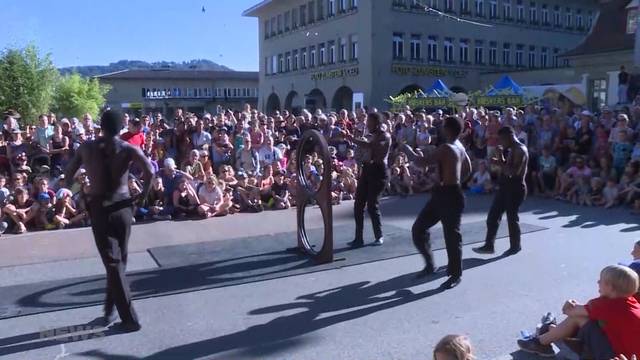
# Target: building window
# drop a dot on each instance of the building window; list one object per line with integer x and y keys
{"x": 320, "y": 10}
{"x": 294, "y": 19}
{"x": 448, "y": 5}
{"x": 287, "y": 21}
{"x": 280, "y": 27}
{"x": 342, "y": 53}
{"x": 557, "y": 16}
{"x": 579, "y": 23}
{"x": 632, "y": 21}
{"x": 287, "y": 66}
{"x": 493, "y": 53}
{"x": 556, "y": 57}
{"x": 311, "y": 8}
{"x": 479, "y": 52}
{"x": 519, "y": 55}
{"x": 432, "y": 48}
{"x": 545, "y": 15}
{"x": 280, "y": 63}
{"x": 398, "y": 46}
{"x": 533, "y": 13}
{"x": 354, "y": 47}
{"x": 544, "y": 57}
{"x": 332, "y": 52}
{"x": 312, "y": 57}
{"x": 274, "y": 64}
{"x": 506, "y": 54}
{"x": 464, "y": 7}
{"x": 589, "y": 20}
{"x": 480, "y": 8}
{"x": 568, "y": 19}
{"x": 599, "y": 94}
{"x": 464, "y": 51}
{"x": 493, "y": 9}
{"x": 331, "y": 8}
{"x": 416, "y": 47}
{"x": 532, "y": 57}
{"x": 267, "y": 66}
{"x": 321, "y": 55}
{"x": 273, "y": 26}
{"x": 303, "y": 15}
{"x": 342, "y": 6}
{"x": 296, "y": 59}
{"x": 303, "y": 59}
{"x": 266, "y": 29}
{"x": 506, "y": 10}
{"x": 448, "y": 50}
{"x": 520, "y": 9}
{"x": 354, "y": 4}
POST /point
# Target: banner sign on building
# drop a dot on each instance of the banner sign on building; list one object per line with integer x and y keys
{"x": 499, "y": 100}
{"x": 335, "y": 74}
{"x": 432, "y": 71}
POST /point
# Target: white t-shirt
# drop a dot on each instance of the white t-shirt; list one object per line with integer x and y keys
{"x": 269, "y": 156}
{"x": 480, "y": 179}
{"x": 210, "y": 197}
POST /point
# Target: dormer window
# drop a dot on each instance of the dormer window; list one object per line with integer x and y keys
{"x": 632, "y": 17}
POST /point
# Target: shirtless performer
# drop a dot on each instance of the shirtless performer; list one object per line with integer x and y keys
{"x": 447, "y": 201}
{"x": 511, "y": 193}
{"x": 110, "y": 206}
{"x": 373, "y": 179}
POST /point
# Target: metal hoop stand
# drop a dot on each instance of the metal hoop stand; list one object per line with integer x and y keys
{"x": 322, "y": 197}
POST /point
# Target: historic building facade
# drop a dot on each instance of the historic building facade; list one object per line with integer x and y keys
{"x": 331, "y": 54}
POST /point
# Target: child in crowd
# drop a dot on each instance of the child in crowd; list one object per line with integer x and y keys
{"x": 453, "y": 347}
{"x": 185, "y": 200}
{"x": 616, "y": 313}
{"x": 401, "y": 181}
{"x": 350, "y": 162}
{"x": 280, "y": 192}
{"x": 155, "y": 201}
{"x": 609, "y": 197}
{"x": 595, "y": 196}
{"x": 481, "y": 183}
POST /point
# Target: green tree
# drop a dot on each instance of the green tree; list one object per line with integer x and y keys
{"x": 75, "y": 96}
{"x": 27, "y": 82}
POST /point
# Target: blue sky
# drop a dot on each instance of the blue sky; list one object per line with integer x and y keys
{"x": 87, "y": 32}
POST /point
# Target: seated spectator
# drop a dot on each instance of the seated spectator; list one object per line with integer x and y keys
{"x": 247, "y": 159}
{"x": 21, "y": 210}
{"x": 349, "y": 184}
{"x": 480, "y": 182}
{"x": 596, "y": 196}
{"x": 248, "y": 194}
{"x": 568, "y": 179}
{"x": 227, "y": 175}
{"x": 268, "y": 153}
{"x": 580, "y": 191}
{"x": 44, "y": 212}
{"x": 546, "y": 176}
{"x": 185, "y": 200}
{"x": 222, "y": 149}
{"x": 635, "y": 264}
{"x": 280, "y": 192}
{"x": 65, "y": 212}
{"x": 400, "y": 179}
{"x": 266, "y": 180}
{"x": 194, "y": 168}
{"x": 210, "y": 197}
{"x": 616, "y": 313}
{"x": 453, "y": 347}
{"x": 156, "y": 201}
{"x": 170, "y": 178}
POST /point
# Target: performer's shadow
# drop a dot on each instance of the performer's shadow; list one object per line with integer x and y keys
{"x": 287, "y": 332}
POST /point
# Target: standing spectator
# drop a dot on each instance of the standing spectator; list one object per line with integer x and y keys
{"x": 44, "y": 132}
{"x": 222, "y": 151}
{"x": 200, "y": 138}
{"x": 491, "y": 134}
{"x": 621, "y": 151}
{"x": 584, "y": 134}
{"x": 58, "y": 149}
{"x": 134, "y": 134}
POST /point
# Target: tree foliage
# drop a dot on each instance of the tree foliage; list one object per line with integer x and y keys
{"x": 75, "y": 96}
{"x": 27, "y": 82}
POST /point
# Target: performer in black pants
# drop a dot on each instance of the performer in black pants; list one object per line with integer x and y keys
{"x": 511, "y": 193}
{"x": 447, "y": 201}
{"x": 107, "y": 162}
{"x": 373, "y": 179}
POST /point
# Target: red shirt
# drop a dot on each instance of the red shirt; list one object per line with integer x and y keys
{"x": 620, "y": 321}
{"x": 134, "y": 139}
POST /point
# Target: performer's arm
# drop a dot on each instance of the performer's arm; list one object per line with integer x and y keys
{"x": 427, "y": 159}
{"x": 73, "y": 166}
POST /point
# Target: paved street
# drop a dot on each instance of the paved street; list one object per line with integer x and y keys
{"x": 370, "y": 311}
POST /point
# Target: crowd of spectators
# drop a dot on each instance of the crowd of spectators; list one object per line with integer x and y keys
{"x": 245, "y": 160}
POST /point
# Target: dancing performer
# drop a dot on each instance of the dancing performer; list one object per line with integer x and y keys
{"x": 373, "y": 179}
{"x": 511, "y": 193}
{"x": 446, "y": 203}
{"x": 107, "y": 162}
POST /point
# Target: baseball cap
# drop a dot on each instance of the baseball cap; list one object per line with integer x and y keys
{"x": 43, "y": 196}
{"x": 62, "y": 193}
{"x": 586, "y": 113}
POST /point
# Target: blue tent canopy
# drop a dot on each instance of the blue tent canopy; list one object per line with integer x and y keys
{"x": 438, "y": 89}
{"x": 506, "y": 83}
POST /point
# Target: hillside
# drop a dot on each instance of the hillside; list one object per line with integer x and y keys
{"x": 93, "y": 70}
